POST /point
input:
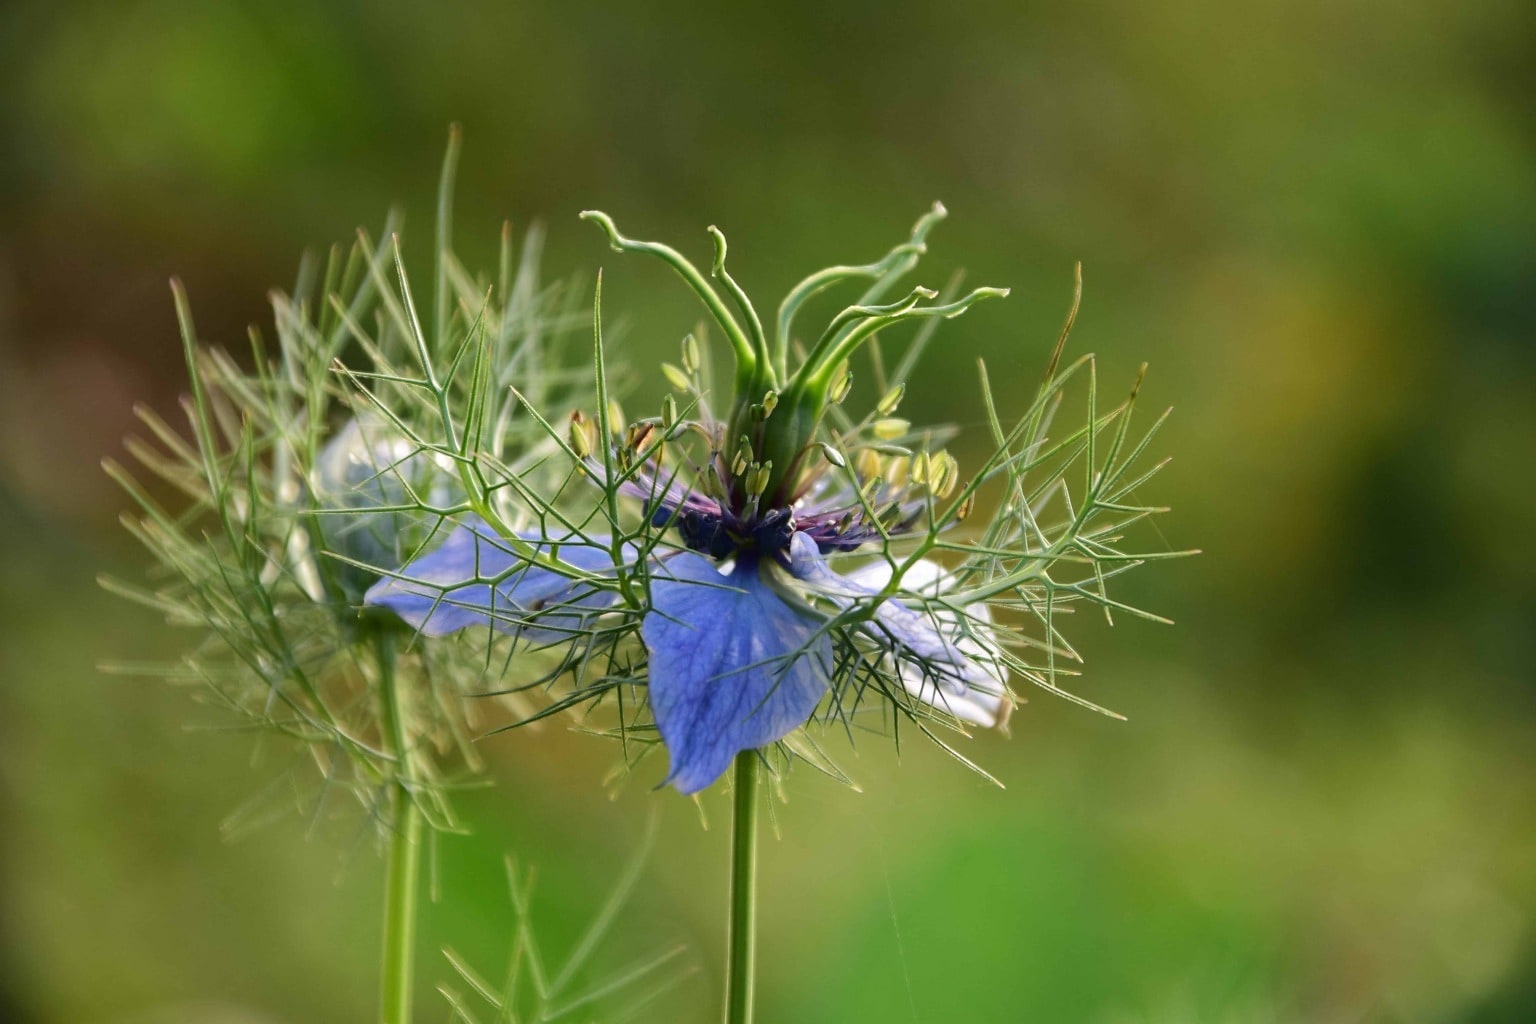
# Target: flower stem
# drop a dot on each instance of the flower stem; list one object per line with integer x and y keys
{"x": 740, "y": 966}
{"x": 403, "y": 868}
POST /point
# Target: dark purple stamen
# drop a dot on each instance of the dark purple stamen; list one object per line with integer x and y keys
{"x": 718, "y": 533}
{"x": 707, "y": 526}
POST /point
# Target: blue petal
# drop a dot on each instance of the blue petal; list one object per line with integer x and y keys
{"x": 732, "y": 667}
{"x": 475, "y": 579}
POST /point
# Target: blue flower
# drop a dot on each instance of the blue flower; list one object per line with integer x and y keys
{"x": 747, "y": 628}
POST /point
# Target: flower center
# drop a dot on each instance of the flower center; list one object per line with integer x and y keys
{"x": 720, "y": 534}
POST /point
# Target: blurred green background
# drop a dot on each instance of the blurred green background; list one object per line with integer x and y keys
{"x": 1316, "y": 220}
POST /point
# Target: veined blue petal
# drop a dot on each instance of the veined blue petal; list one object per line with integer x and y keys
{"x": 937, "y": 657}
{"x": 732, "y": 667}
{"x": 475, "y": 579}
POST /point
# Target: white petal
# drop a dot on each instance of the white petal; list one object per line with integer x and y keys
{"x": 941, "y": 654}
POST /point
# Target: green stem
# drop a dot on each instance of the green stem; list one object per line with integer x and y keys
{"x": 403, "y": 869}
{"x": 740, "y": 966}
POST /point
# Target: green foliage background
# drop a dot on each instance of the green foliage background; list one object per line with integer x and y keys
{"x": 1316, "y": 220}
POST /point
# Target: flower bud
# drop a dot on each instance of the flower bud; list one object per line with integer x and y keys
{"x": 368, "y": 465}
{"x": 892, "y": 399}
{"x": 582, "y": 433}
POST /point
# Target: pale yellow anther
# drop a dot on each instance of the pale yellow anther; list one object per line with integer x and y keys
{"x": 868, "y": 464}
{"x": 676, "y": 377}
{"x": 920, "y": 464}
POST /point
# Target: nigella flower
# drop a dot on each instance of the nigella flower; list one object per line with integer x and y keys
{"x": 776, "y": 558}
{"x": 745, "y": 618}
{"x": 312, "y": 469}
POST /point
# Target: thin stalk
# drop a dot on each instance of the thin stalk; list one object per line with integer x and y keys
{"x": 740, "y": 967}
{"x": 403, "y": 870}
